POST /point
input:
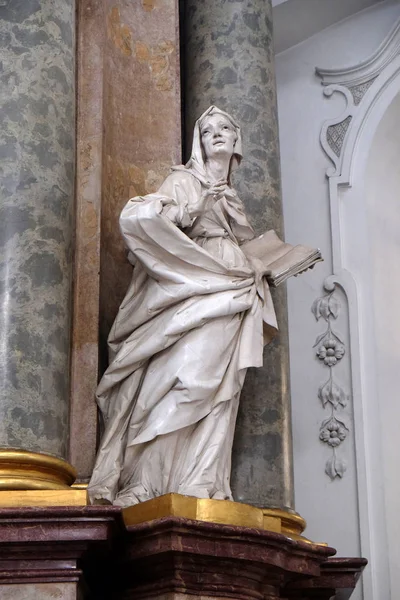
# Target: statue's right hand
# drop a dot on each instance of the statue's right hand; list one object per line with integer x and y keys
{"x": 211, "y": 195}
{"x": 217, "y": 190}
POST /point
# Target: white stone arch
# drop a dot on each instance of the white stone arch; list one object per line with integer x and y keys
{"x": 377, "y": 81}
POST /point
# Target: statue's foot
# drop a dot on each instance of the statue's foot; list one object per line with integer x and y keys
{"x": 221, "y": 496}
{"x": 101, "y": 501}
{"x": 131, "y": 495}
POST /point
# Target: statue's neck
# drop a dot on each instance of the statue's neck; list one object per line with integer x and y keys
{"x": 218, "y": 170}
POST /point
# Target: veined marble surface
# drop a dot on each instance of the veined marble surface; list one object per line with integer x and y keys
{"x": 229, "y": 61}
{"x": 37, "y": 181}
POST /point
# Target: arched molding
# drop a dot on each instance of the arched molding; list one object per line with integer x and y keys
{"x": 368, "y": 69}
{"x": 380, "y": 76}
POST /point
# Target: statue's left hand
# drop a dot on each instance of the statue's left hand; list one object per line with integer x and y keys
{"x": 257, "y": 266}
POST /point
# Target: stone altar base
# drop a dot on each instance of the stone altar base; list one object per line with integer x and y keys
{"x": 88, "y": 553}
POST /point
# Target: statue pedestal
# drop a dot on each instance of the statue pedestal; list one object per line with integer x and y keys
{"x": 91, "y": 552}
{"x": 223, "y": 512}
{"x": 174, "y": 558}
{"x": 182, "y": 556}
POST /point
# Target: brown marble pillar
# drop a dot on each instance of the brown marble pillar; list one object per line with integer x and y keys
{"x": 142, "y": 125}
{"x": 129, "y": 135}
{"x": 228, "y": 61}
{"x": 85, "y": 338}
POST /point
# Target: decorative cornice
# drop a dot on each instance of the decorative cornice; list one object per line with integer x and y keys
{"x": 368, "y": 69}
{"x": 354, "y": 84}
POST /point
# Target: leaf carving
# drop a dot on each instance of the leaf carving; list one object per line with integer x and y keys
{"x": 342, "y": 423}
{"x": 321, "y": 337}
{"x": 333, "y": 419}
{"x": 324, "y": 309}
{"x": 330, "y": 468}
{"x": 340, "y": 466}
{"x": 338, "y": 395}
{"x": 335, "y": 467}
{"x": 315, "y": 308}
{"x": 335, "y": 335}
{"x": 332, "y": 392}
{"x": 325, "y": 392}
{"x": 334, "y": 306}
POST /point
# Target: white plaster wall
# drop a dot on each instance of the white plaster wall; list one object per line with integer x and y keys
{"x": 331, "y": 508}
{"x": 382, "y": 188}
{"x": 295, "y": 21}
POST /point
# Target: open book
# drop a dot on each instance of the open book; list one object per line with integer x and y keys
{"x": 280, "y": 260}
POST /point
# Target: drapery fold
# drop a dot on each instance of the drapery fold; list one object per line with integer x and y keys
{"x": 194, "y": 318}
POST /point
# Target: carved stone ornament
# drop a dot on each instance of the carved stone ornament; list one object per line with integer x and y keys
{"x": 335, "y": 135}
{"x": 369, "y": 88}
{"x": 353, "y": 83}
{"x": 330, "y": 349}
{"x": 358, "y": 84}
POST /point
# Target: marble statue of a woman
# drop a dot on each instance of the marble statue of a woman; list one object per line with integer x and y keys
{"x": 197, "y": 314}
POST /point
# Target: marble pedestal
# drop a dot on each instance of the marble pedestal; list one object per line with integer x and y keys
{"x": 85, "y": 553}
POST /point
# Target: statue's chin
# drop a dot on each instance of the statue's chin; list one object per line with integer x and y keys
{"x": 221, "y": 150}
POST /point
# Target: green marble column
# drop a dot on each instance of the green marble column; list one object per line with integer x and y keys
{"x": 37, "y": 141}
{"x": 227, "y": 57}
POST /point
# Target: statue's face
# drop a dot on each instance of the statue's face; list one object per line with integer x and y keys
{"x": 218, "y": 136}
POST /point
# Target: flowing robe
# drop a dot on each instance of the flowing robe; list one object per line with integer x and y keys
{"x": 195, "y": 317}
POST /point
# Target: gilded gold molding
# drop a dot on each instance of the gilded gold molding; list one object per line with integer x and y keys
{"x": 24, "y": 470}
{"x": 292, "y": 523}
{"x": 224, "y": 512}
{"x": 24, "y": 498}
{"x": 200, "y": 509}
{"x": 78, "y": 485}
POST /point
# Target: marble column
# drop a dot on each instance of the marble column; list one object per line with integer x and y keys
{"x": 91, "y": 33}
{"x": 141, "y": 125}
{"x": 37, "y": 140}
{"x": 128, "y": 136}
{"x": 228, "y": 61}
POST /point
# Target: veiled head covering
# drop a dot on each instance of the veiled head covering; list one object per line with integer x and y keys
{"x": 196, "y": 163}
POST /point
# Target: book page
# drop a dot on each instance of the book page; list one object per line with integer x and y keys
{"x": 267, "y": 248}
{"x": 296, "y": 256}
{"x": 280, "y": 260}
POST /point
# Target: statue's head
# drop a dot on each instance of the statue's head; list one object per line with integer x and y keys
{"x": 216, "y": 133}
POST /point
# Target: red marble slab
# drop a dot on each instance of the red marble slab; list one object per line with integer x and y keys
{"x": 92, "y": 547}
{"x": 336, "y": 573}
{"x": 47, "y": 545}
{"x": 174, "y": 555}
